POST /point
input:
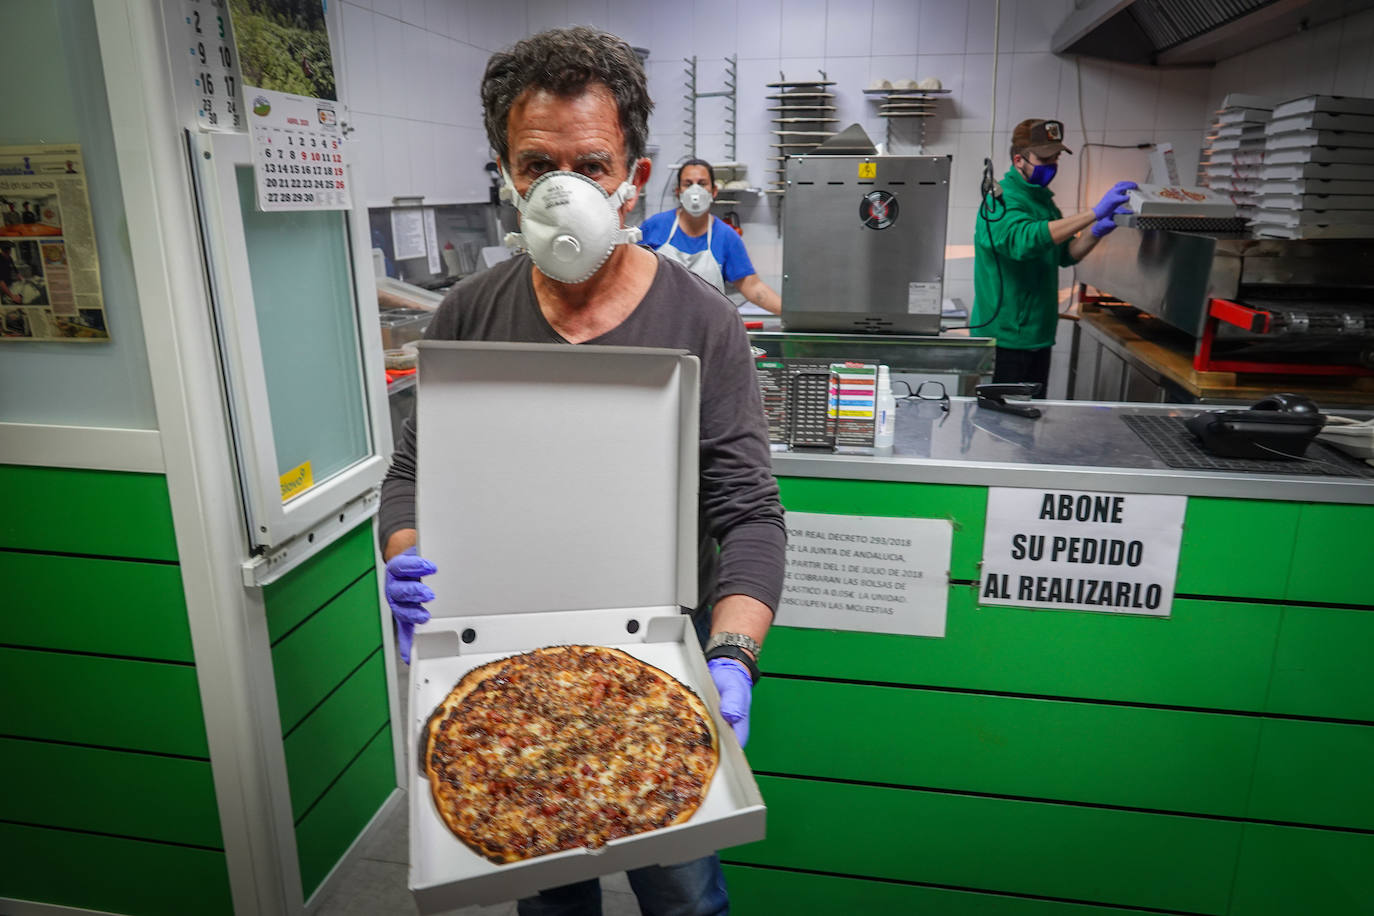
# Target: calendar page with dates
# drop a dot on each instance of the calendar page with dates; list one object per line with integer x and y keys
{"x": 291, "y": 106}
{"x": 213, "y": 64}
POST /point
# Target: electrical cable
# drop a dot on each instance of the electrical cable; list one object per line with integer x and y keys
{"x": 991, "y": 209}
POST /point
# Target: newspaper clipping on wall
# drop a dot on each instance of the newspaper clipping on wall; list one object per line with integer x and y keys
{"x": 49, "y": 269}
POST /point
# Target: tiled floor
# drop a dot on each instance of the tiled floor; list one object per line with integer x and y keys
{"x": 375, "y": 884}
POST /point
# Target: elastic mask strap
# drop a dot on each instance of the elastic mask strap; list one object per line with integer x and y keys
{"x": 629, "y": 235}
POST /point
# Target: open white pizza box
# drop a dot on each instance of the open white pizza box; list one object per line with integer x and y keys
{"x": 557, "y": 495}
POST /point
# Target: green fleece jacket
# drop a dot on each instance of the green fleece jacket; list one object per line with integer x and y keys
{"x": 1015, "y": 257}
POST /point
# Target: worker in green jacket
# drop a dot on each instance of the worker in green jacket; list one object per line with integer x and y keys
{"x": 1020, "y": 242}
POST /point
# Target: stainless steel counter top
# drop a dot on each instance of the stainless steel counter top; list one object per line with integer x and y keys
{"x": 1074, "y": 445}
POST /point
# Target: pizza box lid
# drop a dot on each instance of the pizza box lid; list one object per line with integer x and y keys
{"x": 552, "y": 477}
{"x": 446, "y": 874}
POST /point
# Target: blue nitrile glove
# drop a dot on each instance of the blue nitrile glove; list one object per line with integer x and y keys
{"x": 405, "y": 593}
{"x": 736, "y": 688}
{"x": 1114, "y": 199}
{"x": 1103, "y": 226}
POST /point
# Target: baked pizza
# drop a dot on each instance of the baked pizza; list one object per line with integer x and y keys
{"x": 566, "y": 747}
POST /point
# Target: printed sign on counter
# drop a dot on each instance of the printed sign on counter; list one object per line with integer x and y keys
{"x": 866, "y": 573}
{"x": 1073, "y": 550}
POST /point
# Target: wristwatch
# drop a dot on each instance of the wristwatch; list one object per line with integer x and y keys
{"x": 747, "y": 643}
{"x": 739, "y": 655}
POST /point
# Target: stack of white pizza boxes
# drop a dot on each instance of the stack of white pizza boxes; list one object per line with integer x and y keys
{"x": 1233, "y": 151}
{"x": 1318, "y": 174}
{"x": 556, "y": 492}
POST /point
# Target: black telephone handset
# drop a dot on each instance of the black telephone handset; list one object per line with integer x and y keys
{"x": 1278, "y": 426}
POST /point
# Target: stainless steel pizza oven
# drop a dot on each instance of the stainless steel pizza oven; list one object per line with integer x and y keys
{"x": 864, "y": 243}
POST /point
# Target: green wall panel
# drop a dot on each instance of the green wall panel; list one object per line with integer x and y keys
{"x": 1295, "y": 871}
{"x": 1321, "y": 666}
{"x": 1209, "y": 654}
{"x": 331, "y": 826}
{"x": 1237, "y": 548}
{"x": 106, "y": 513}
{"x": 1094, "y": 855}
{"x": 135, "y": 795}
{"x": 115, "y": 607}
{"x": 766, "y": 892}
{"x": 967, "y": 507}
{"x": 1333, "y": 554}
{"x": 295, "y": 597}
{"x": 328, "y": 739}
{"x": 318, "y": 655}
{"x": 1114, "y": 755}
{"x": 112, "y": 874}
{"x": 148, "y": 706}
{"x": 1315, "y": 773}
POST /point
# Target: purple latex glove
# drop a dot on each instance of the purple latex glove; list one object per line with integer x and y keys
{"x": 405, "y": 593}
{"x": 736, "y": 688}
{"x": 1113, "y": 200}
{"x": 1103, "y": 226}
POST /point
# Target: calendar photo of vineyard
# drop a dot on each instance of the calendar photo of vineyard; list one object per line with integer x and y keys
{"x": 284, "y": 46}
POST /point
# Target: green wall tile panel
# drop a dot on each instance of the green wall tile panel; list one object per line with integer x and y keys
{"x": 112, "y": 874}
{"x": 966, "y": 506}
{"x": 332, "y": 735}
{"x": 331, "y": 826}
{"x": 135, "y": 795}
{"x": 766, "y": 892}
{"x": 315, "y": 658}
{"x": 295, "y": 596}
{"x": 1333, "y": 555}
{"x": 1236, "y": 548}
{"x": 1315, "y": 773}
{"x": 1093, "y": 855}
{"x": 1322, "y": 664}
{"x": 1209, "y": 654}
{"x": 1160, "y": 759}
{"x": 1295, "y": 871}
{"x": 148, "y": 706}
{"x": 106, "y": 513}
{"x": 116, "y": 607}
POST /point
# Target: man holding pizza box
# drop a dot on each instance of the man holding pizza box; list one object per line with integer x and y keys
{"x": 567, "y": 113}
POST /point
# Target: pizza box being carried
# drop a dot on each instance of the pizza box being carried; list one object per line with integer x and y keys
{"x": 1165, "y": 200}
{"x": 556, "y": 492}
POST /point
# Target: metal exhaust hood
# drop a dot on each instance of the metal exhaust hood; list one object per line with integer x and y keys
{"x": 1188, "y": 32}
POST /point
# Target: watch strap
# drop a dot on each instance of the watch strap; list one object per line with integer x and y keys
{"x": 739, "y": 655}
{"x": 725, "y": 638}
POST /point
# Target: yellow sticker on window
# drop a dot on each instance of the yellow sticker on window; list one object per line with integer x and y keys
{"x": 868, "y": 170}
{"x": 296, "y": 481}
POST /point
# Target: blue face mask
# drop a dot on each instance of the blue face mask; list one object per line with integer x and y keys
{"x": 1043, "y": 174}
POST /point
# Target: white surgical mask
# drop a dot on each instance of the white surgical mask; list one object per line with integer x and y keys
{"x": 696, "y": 200}
{"x": 569, "y": 224}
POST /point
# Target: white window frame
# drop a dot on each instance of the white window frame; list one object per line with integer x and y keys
{"x": 272, "y": 524}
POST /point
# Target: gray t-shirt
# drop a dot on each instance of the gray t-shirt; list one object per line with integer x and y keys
{"x": 739, "y": 507}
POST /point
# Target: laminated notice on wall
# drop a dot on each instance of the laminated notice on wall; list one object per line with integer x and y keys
{"x": 49, "y": 269}
{"x": 867, "y": 573}
{"x": 1073, "y": 550}
{"x": 288, "y": 77}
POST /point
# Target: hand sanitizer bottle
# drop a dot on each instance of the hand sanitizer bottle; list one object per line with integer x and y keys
{"x": 885, "y": 420}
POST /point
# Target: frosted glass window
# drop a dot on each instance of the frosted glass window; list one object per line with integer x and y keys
{"x": 308, "y": 328}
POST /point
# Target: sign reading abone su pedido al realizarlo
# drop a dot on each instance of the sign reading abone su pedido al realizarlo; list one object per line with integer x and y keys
{"x": 1081, "y": 551}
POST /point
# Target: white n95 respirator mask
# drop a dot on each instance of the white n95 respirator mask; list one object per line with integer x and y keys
{"x": 696, "y": 200}
{"x": 569, "y": 224}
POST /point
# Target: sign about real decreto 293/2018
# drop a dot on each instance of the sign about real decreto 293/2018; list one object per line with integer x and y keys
{"x": 866, "y": 573}
{"x": 1073, "y": 550}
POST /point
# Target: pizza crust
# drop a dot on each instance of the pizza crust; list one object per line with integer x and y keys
{"x": 688, "y": 747}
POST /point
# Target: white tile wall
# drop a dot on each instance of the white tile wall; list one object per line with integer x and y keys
{"x": 1332, "y": 59}
{"x": 412, "y": 69}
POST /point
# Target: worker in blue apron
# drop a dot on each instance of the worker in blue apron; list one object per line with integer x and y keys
{"x": 706, "y": 245}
